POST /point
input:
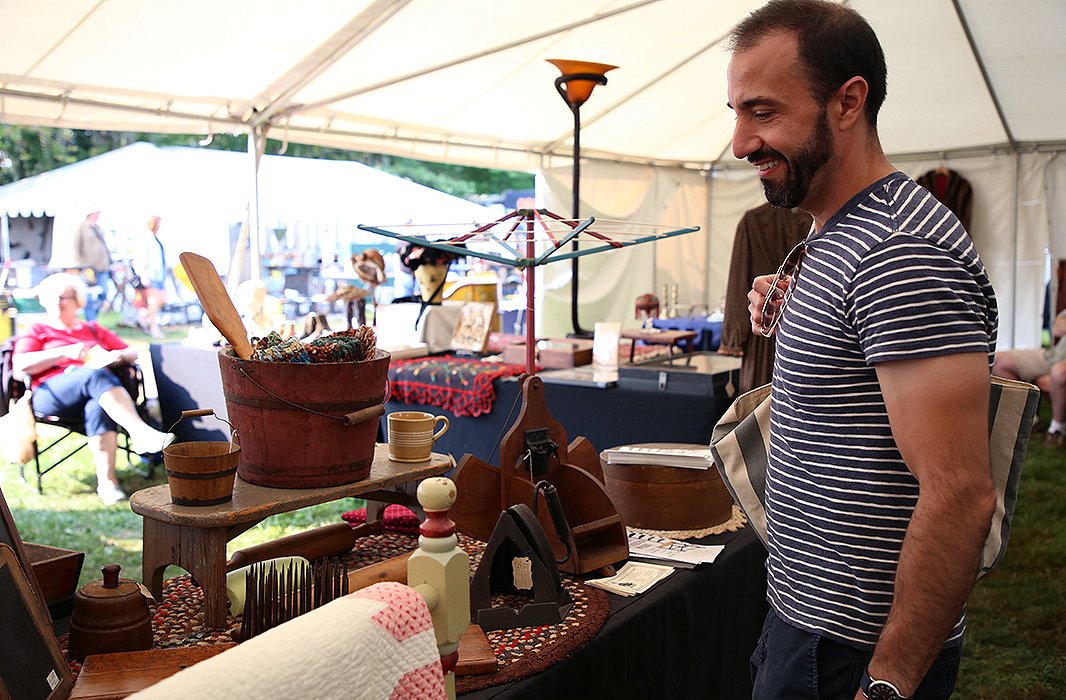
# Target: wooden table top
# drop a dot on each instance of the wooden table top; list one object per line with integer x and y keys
{"x": 253, "y": 503}
{"x": 657, "y": 336}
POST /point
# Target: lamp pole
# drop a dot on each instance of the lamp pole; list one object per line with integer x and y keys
{"x": 575, "y": 86}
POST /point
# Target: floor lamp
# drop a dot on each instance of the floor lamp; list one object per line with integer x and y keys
{"x": 575, "y": 86}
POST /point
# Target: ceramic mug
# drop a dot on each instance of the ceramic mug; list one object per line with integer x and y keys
{"x": 411, "y": 435}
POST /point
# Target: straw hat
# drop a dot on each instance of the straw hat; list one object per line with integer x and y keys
{"x": 369, "y": 266}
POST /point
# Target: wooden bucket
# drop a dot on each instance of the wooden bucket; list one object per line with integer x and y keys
{"x": 304, "y": 425}
{"x": 201, "y": 473}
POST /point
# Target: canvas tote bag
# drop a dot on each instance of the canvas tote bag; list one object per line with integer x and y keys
{"x": 18, "y": 430}
{"x": 740, "y": 443}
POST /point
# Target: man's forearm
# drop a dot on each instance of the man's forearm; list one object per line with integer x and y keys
{"x": 937, "y": 568}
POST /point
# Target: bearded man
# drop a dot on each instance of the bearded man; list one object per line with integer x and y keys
{"x": 878, "y": 494}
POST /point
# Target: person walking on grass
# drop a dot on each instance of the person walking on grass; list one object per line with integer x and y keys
{"x": 151, "y": 265}
{"x": 93, "y": 258}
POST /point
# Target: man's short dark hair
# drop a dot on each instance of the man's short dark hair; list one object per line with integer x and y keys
{"x": 835, "y": 44}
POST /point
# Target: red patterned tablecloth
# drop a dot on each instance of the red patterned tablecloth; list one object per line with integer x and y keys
{"x": 461, "y": 385}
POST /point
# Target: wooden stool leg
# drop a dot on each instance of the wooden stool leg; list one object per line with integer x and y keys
{"x": 156, "y": 554}
{"x": 204, "y": 551}
{"x": 360, "y": 311}
{"x": 201, "y": 552}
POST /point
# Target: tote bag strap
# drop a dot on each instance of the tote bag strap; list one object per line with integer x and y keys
{"x": 1011, "y": 409}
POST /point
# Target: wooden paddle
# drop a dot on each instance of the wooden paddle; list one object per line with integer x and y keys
{"x": 216, "y": 302}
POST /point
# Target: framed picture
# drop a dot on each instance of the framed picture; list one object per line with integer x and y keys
{"x": 32, "y": 666}
{"x": 472, "y": 327}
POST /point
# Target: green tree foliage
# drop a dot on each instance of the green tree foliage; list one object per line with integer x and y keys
{"x": 26, "y": 151}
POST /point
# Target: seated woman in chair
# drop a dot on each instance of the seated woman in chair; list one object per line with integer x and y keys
{"x": 66, "y": 359}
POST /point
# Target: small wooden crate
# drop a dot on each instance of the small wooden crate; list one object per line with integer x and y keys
{"x": 57, "y": 571}
{"x": 553, "y": 353}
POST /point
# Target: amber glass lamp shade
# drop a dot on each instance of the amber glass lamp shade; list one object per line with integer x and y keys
{"x": 577, "y": 91}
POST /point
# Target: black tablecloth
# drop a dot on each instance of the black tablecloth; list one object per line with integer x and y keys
{"x": 689, "y": 637}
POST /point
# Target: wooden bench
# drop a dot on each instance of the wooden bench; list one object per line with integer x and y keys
{"x": 195, "y": 537}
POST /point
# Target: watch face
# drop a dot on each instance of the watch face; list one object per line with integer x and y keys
{"x": 881, "y": 690}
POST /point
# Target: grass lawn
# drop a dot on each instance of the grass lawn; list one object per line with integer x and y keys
{"x": 1016, "y": 637}
{"x": 1015, "y": 645}
{"x": 70, "y": 515}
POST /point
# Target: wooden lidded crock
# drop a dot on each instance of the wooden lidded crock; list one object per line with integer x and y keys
{"x": 109, "y": 616}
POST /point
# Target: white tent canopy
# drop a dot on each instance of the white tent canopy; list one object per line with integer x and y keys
{"x": 466, "y": 81}
{"x": 201, "y": 196}
{"x": 974, "y": 84}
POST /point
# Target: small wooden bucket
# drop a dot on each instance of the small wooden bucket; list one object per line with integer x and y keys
{"x": 201, "y": 473}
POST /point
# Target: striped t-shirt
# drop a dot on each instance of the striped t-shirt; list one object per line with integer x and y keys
{"x": 892, "y": 275}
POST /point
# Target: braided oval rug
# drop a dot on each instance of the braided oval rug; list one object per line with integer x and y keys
{"x": 177, "y": 619}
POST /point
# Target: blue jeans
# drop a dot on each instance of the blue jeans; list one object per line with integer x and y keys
{"x": 791, "y": 664}
{"x": 75, "y": 394}
{"x": 97, "y": 294}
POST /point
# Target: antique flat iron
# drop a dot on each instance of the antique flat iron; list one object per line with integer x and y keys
{"x": 518, "y": 561}
{"x": 535, "y": 448}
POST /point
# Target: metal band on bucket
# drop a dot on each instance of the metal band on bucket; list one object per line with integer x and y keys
{"x": 201, "y": 475}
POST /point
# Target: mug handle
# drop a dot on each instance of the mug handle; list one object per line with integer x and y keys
{"x": 447, "y": 424}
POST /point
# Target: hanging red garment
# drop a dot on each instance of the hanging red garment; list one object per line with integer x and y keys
{"x": 952, "y": 189}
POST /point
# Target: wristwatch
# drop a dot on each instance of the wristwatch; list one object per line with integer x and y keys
{"x": 879, "y": 690}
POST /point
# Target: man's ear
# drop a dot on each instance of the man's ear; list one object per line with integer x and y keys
{"x": 850, "y": 102}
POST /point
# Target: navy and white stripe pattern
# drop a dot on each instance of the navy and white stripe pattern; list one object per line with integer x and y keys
{"x": 893, "y": 275}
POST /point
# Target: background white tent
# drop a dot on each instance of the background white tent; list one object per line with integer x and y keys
{"x": 201, "y": 196}
{"x": 974, "y": 84}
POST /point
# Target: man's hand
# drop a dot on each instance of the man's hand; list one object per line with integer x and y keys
{"x": 760, "y": 288}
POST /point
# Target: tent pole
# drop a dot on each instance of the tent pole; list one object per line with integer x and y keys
{"x": 1016, "y": 189}
{"x": 708, "y": 218}
{"x": 5, "y": 237}
{"x": 256, "y": 147}
{"x": 979, "y": 60}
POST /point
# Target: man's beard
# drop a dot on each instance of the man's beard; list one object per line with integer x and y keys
{"x": 812, "y": 155}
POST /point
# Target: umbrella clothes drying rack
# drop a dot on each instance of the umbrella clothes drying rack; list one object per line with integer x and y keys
{"x": 528, "y": 238}
{"x": 536, "y": 450}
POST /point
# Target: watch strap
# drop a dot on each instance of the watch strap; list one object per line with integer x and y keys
{"x": 875, "y": 689}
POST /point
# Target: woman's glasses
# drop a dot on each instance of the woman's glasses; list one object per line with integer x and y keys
{"x": 773, "y": 306}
